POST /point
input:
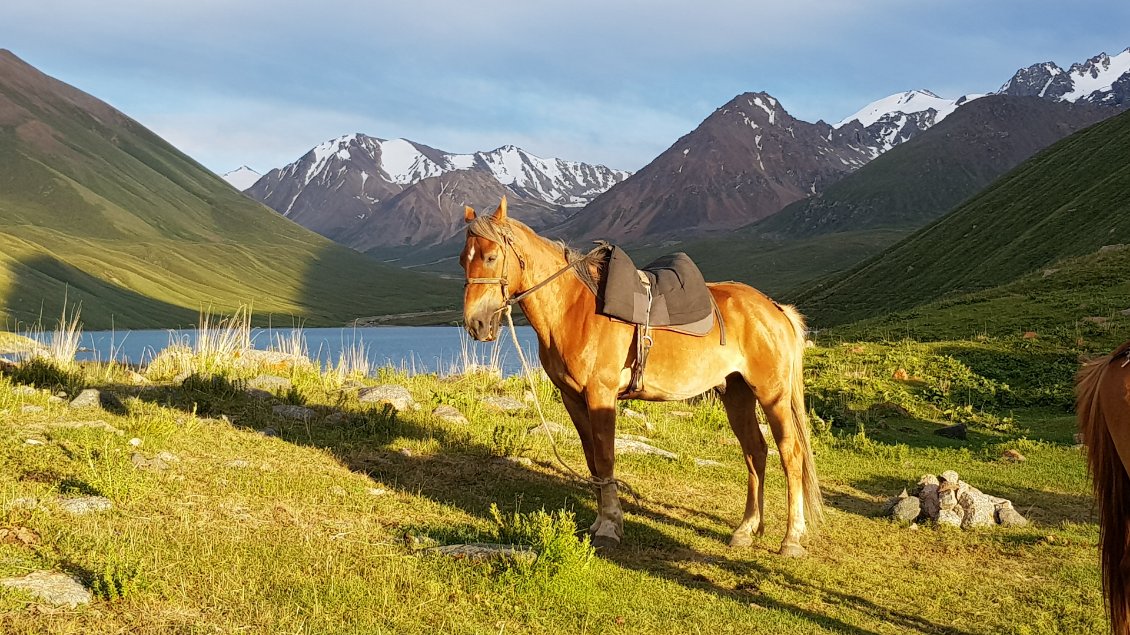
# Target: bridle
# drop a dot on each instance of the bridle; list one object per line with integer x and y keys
{"x": 503, "y": 237}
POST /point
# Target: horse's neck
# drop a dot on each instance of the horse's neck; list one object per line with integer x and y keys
{"x": 547, "y": 308}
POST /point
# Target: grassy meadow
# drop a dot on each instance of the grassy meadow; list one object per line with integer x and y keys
{"x": 230, "y": 517}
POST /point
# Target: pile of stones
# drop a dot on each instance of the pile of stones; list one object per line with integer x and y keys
{"x": 948, "y": 500}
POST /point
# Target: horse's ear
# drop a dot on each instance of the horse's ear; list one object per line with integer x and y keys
{"x": 500, "y": 213}
{"x": 468, "y": 213}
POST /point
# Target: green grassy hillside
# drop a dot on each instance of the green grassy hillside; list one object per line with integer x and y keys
{"x": 1067, "y": 201}
{"x": 98, "y": 209}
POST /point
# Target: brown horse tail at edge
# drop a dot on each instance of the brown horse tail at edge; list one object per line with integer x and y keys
{"x": 1111, "y": 484}
{"x": 813, "y": 501}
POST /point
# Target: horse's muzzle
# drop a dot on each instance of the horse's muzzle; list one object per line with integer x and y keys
{"x": 483, "y": 329}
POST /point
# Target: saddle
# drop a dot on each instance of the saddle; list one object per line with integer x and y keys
{"x": 668, "y": 294}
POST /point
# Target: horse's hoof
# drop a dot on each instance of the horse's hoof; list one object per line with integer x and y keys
{"x": 793, "y": 551}
{"x": 740, "y": 539}
{"x": 602, "y": 542}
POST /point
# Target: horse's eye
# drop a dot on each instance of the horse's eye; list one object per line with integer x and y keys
{"x": 491, "y": 258}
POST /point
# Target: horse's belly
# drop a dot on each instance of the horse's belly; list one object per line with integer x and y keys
{"x": 680, "y": 371}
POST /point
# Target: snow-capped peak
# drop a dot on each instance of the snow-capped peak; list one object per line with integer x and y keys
{"x": 1097, "y": 74}
{"x": 242, "y": 177}
{"x": 907, "y": 102}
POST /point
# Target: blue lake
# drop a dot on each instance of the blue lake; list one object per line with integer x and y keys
{"x": 415, "y": 349}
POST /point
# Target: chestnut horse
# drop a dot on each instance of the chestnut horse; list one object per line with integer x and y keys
{"x": 587, "y": 356}
{"x": 1103, "y": 406}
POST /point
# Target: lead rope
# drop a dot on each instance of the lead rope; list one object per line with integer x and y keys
{"x": 591, "y": 480}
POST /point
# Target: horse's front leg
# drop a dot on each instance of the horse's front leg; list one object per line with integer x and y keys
{"x": 608, "y": 529}
{"x": 579, "y": 412}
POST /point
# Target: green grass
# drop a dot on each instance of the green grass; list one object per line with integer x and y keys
{"x": 1065, "y": 202}
{"x": 96, "y": 209}
{"x": 306, "y": 531}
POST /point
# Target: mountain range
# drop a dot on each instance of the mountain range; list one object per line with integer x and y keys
{"x": 366, "y": 192}
{"x": 747, "y": 161}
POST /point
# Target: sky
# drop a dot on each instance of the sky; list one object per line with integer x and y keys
{"x": 614, "y": 82}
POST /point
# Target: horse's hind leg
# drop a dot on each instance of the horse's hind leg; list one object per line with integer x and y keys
{"x": 779, "y": 415}
{"x": 741, "y": 409}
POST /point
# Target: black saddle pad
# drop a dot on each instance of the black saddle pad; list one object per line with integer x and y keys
{"x": 679, "y": 293}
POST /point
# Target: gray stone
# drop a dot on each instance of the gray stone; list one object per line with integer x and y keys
{"x": 978, "y": 509}
{"x": 950, "y": 517}
{"x": 52, "y": 587}
{"x": 891, "y": 502}
{"x": 958, "y": 431}
{"x": 633, "y": 446}
{"x": 238, "y": 464}
{"x": 927, "y": 479}
{"x": 168, "y": 457}
{"x": 449, "y": 414}
{"x": 336, "y": 417}
{"x": 96, "y": 424}
{"x": 949, "y": 476}
{"x": 25, "y": 391}
{"x": 929, "y": 497}
{"x": 486, "y": 552}
{"x": 55, "y": 399}
{"x": 290, "y": 411}
{"x": 30, "y": 409}
{"x": 1009, "y": 517}
{"x": 947, "y": 499}
{"x": 89, "y": 398}
{"x": 140, "y": 462}
{"x": 397, "y": 396}
{"x": 137, "y": 378}
{"x": 706, "y": 463}
{"x": 269, "y": 432}
{"x": 503, "y": 403}
{"x": 85, "y": 504}
{"x": 27, "y": 502}
{"x": 270, "y": 383}
{"x": 907, "y": 509}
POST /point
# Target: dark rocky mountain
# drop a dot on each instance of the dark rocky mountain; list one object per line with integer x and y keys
{"x": 746, "y": 161}
{"x": 1100, "y": 80}
{"x": 932, "y": 173}
{"x": 366, "y": 192}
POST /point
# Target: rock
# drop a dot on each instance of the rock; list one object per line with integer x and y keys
{"x": 336, "y": 417}
{"x": 269, "y": 432}
{"x": 33, "y": 442}
{"x": 682, "y": 414}
{"x": 1078, "y": 438}
{"x": 290, "y": 411}
{"x": 97, "y": 424}
{"x": 949, "y": 476}
{"x": 55, "y": 399}
{"x": 238, "y": 464}
{"x": 485, "y": 552}
{"x": 950, "y": 517}
{"x": 978, "y": 510}
{"x": 1124, "y": 312}
{"x": 906, "y": 509}
{"x": 1096, "y": 319}
{"x": 1009, "y": 517}
{"x": 137, "y": 378}
{"x": 26, "y": 502}
{"x": 85, "y": 504}
{"x": 52, "y": 587}
{"x": 503, "y": 403}
{"x": 522, "y": 461}
{"x": 958, "y": 431}
{"x": 929, "y": 497}
{"x": 140, "y": 462}
{"x": 30, "y": 409}
{"x": 168, "y": 457}
{"x": 397, "y": 396}
{"x": 947, "y": 498}
{"x": 89, "y": 398}
{"x": 449, "y": 414}
{"x": 25, "y": 391}
{"x": 1109, "y": 248}
{"x": 890, "y": 504}
{"x": 135, "y": 442}
{"x": 706, "y": 463}
{"x": 270, "y": 383}
{"x": 927, "y": 479}
{"x": 405, "y": 452}
{"x": 1013, "y": 456}
{"x": 632, "y": 414}
{"x": 633, "y": 446}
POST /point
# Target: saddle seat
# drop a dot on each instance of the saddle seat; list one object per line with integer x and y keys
{"x": 668, "y": 294}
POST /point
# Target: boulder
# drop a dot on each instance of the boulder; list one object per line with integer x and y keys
{"x": 85, "y": 504}
{"x": 1009, "y": 517}
{"x": 449, "y": 414}
{"x": 485, "y": 552}
{"x": 907, "y": 509}
{"x": 89, "y": 398}
{"x": 52, "y": 587}
{"x": 950, "y": 517}
{"x": 958, "y": 431}
{"x": 503, "y": 403}
{"x": 271, "y": 384}
{"x": 978, "y": 508}
{"x": 949, "y": 476}
{"x": 928, "y": 494}
{"x": 290, "y": 411}
{"x": 395, "y": 395}
{"x": 635, "y": 446}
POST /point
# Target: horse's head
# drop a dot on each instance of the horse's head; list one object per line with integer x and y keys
{"x": 493, "y": 269}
